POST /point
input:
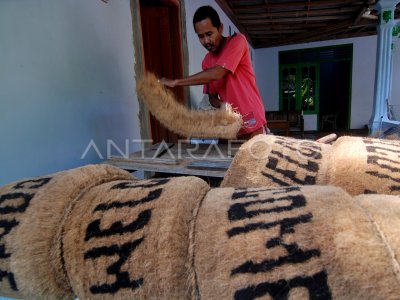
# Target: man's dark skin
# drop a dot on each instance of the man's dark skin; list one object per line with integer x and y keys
{"x": 212, "y": 39}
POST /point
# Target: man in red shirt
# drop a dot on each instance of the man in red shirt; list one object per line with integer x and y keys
{"x": 227, "y": 75}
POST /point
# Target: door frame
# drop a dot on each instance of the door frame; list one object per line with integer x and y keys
{"x": 144, "y": 117}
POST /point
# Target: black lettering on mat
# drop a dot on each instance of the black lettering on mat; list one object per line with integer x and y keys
{"x": 33, "y": 183}
{"x": 380, "y": 162}
{"x": 15, "y": 207}
{"x": 12, "y": 204}
{"x": 10, "y": 277}
{"x": 286, "y": 225}
{"x": 317, "y": 286}
{"x": 153, "y": 195}
{"x": 295, "y": 256}
{"x": 6, "y": 226}
{"x": 388, "y": 169}
{"x": 255, "y": 193}
{"x": 94, "y": 230}
{"x": 308, "y": 149}
{"x": 288, "y": 174}
{"x": 135, "y": 184}
{"x": 311, "y": 166}
{"x": 122, "y": 277}
{"x": 238, "y": 211}
{"x": 309, "y": 152}
{"x": 123, "y": 252}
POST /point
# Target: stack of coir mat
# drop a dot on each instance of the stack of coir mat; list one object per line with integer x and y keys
{"x": 358, "y": 165}
{"x": 98, "y": 233}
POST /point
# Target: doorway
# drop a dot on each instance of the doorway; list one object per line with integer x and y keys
{"x": 162, "y": 51}
{"x": 335, "y": 92}
{"x": 318, "y": 81}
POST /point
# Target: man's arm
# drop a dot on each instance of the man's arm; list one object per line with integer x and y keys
{"x": 200, "y": 78}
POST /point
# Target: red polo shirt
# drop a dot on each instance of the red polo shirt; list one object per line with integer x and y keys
{"x": 239, "y": 86}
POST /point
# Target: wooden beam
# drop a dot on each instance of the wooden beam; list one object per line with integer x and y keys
{"x": 267, "y": 24}
{"x": 298, "y": 13}
{"x": 228, "y": 11}
{"x": 311, "y": 4}
{"x": 365, "y": 23}
{"x": 273, "y": 31}
{"x": 317, "y": 33}
{"x": 293, "y": 20}
{"x": 361, "y": 12}
{"x": 353, "y": 35}
{"x": 285, "y": 27}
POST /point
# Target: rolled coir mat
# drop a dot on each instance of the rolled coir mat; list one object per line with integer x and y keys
{"x": 130, "y": 240}
{"x": 268, "y": 160}
{"x": 30, "y": 213}
{"x": 366, "y": 166}
{"x": 309, "y": 242}
{"x": 358, "y": 165}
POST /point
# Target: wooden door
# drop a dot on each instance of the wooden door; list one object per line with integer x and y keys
{"x": 162, "y": 53}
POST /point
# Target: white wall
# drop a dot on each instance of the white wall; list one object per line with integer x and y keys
{"x": 363, "y": 72}
{"x": 66, "y": 78}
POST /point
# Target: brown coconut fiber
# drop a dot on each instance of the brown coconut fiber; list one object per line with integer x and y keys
{"x": 130, "y": 240}
{"x": 384, "y": 213}
{"x": 307, "y": 242}
{"x": 268, "y": 160}
{"x": 221, "y": 123}
{"x": 365, "y": 165}
{"x": 30, "y": 212}
{"x": 14, "y": 200}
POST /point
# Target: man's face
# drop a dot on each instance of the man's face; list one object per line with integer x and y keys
{"x": 209, "y": 36}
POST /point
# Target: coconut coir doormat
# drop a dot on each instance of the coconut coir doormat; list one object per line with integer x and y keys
{"x": 268, "y": 160}
{"x": 290, "y": 243}
{"x": 365, "y": 165}
{"x": 174, "y": 238}
{"x": 130, "y": 240}
{"x": 30, "y": 213}
{"x": 384, "y": 213}
{"x": 358, "y": 165}
{"x": 221, "y": 123}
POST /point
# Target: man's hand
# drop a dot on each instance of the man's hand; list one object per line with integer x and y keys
{"x": 168, "y": 82}
{"x": 204, "y": 77}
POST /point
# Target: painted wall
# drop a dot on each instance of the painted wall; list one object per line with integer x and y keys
{"x": 66, "y": 79}
{"x": 364, "y": 60}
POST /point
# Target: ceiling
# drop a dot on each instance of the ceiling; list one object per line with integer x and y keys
{"x": 271, "y": 23}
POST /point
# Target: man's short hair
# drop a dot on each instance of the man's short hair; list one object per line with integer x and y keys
{"x": 205, "y": 12}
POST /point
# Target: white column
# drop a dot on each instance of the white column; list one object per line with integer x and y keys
{"x": 383, "y": 72}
